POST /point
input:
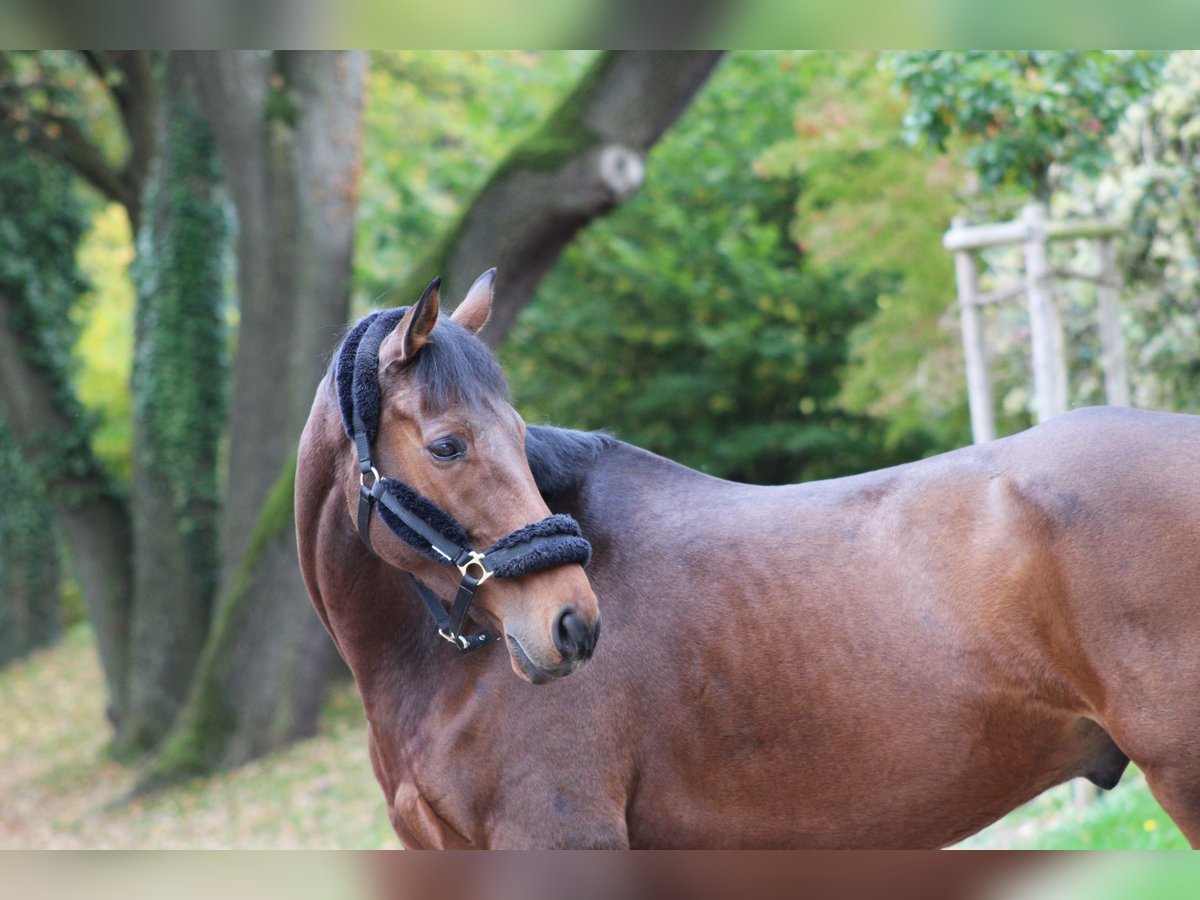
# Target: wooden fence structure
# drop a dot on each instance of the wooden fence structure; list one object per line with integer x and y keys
{"x": 1045, "y": 327}
{"x": 1035, "y": 232}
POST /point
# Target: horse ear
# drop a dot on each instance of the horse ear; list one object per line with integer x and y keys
{"x": 414, "y": 329}
{"x": 476, "y": 308}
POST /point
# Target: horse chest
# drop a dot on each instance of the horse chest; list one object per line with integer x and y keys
{"x": 432, "y": 791}
{"x": 419, "y": 825}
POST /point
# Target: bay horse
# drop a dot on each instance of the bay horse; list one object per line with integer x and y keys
{"x": 894, "y": 659}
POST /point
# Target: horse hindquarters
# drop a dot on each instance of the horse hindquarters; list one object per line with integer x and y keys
{"x": 1124, "y": 496}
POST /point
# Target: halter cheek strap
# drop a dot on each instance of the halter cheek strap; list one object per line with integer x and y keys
{"x": 416, "y": 520}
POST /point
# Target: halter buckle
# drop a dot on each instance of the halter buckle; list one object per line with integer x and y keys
{"x": 375, "y": 477}
{"x": 456, "y": 639}
{"x": 474, "y": 558}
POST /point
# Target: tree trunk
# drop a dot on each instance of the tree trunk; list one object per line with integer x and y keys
{"x": 30, "y": 606}
{"x": 40, "y": 227}
{"x": 179, "y": 407}
{"x": 288, "y": 129}
{"x": 94, "y": 519}
{"x": 586, "y": 159}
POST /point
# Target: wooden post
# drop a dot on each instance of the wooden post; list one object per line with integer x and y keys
{"x": 1045, "y": 329}
{"x": 979, "y": 387}
{"x": 1116, "y": 381}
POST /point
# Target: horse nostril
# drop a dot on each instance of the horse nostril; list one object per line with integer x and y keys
{"x": 572, "y": 637}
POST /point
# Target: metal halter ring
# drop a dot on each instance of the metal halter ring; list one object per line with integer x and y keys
{"x": 457, "y": 639}
{"x": 476, "y": 559}
{"x": 375, "y": 478}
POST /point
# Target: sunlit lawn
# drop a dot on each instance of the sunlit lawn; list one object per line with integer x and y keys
{"x": 58, "y": 788}
{"x": 1126, "y": 818}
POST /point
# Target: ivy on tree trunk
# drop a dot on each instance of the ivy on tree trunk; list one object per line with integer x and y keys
{"x": 288, "y": 129}
{"x": 30, "y": 609}
{"x": 179, "y": 385}
{"x": 41, "y": 223}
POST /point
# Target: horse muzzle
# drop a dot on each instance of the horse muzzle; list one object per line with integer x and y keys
{"x": 573, "y": 636}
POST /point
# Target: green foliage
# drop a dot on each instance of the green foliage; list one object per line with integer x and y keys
{"x": 563, "y": 133}
{"x": 46, "y": 87}
{"x": 436, "y": 125}
{"x": 41, "y": 222}
{"x": 689, "y": 321}
{"x": 873, "y": 206}
{"x": 1024, "y": 113}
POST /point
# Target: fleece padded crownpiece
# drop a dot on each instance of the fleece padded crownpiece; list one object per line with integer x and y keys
{"x": 343, "y": 371}
{"x": 357, "y": 370}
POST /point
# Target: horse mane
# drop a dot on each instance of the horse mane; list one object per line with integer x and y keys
{"x": 560, "y": 458}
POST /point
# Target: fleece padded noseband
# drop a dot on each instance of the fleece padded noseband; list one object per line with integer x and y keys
{"x": 417, "y": 520}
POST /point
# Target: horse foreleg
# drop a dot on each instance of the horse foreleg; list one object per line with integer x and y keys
{"x": 1177, "y": 789}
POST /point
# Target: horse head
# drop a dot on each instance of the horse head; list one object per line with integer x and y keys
{"x": 443, "y": 451}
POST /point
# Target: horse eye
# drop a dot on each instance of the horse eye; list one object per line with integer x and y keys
{"x": 447, "y": 449}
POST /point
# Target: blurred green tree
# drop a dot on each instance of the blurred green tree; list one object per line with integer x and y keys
{"x": 435, "y": 126}
{"x": 41, "y": 221}
{"x": 871, "y": 204}
{"x": 691, "y": 322}
{"x": 179, "y": 382}
{"x": 1153, "y": 187}
{"x": 586, "y": 158}
{"x": 1028, "y": 116}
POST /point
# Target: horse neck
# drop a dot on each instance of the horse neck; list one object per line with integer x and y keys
{"x": 622, "y": 495}
{"x": 372, "y": 609}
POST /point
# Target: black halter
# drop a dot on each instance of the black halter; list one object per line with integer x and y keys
{"x": 416, "y": 520}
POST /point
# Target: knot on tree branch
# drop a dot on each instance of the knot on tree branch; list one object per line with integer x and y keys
{"x": 621, "y": 170}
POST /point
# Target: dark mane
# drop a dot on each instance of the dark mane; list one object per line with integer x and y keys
{"x": 559, "y": 458}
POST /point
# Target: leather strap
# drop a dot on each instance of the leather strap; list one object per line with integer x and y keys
{"x": 450, "y": 625}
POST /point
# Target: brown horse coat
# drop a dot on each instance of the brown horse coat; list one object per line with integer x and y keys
{"x": 894, "y": 659}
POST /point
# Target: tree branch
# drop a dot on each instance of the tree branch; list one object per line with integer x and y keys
{"x": 586, "y": 159}
{"x": 98, "y": 61}
{"x": 61, "y": 137}
{"x": 137, "y": 99}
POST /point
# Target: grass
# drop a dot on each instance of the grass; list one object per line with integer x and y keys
{"x": 1125, "y": 818}
{"x": 59, "y": 788}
